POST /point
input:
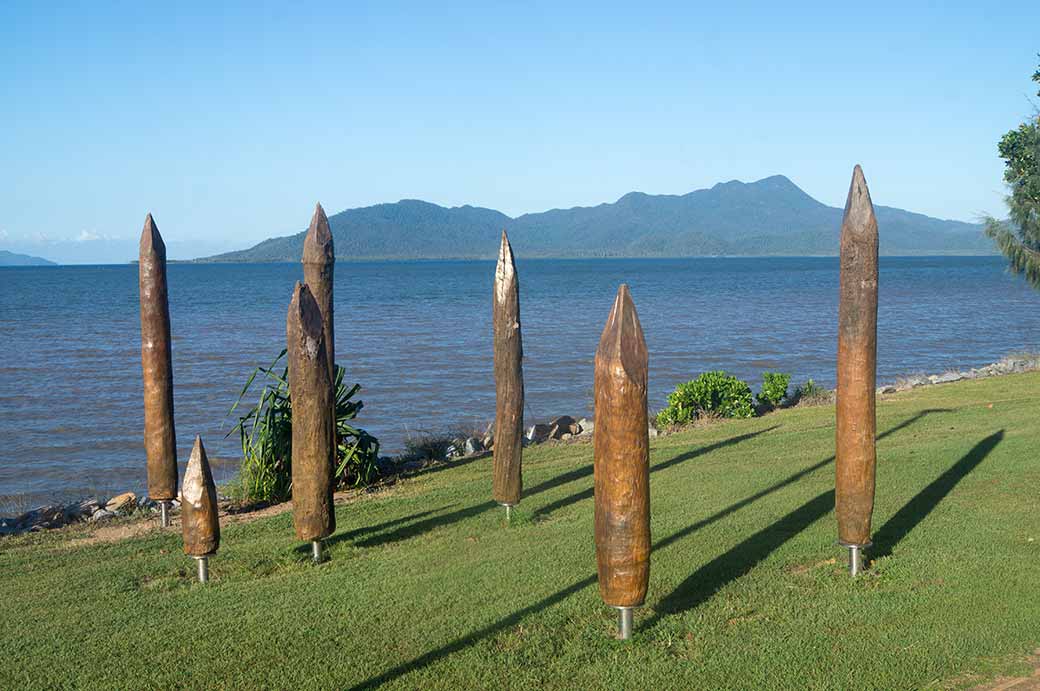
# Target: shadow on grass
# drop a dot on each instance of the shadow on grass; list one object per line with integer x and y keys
{"x": 663, "y": 465}
{"x": 585, "y": 471}
{"x": 765, "y": 543}
{"x": 336, "y": 538}
{"x": 918, "y": 508}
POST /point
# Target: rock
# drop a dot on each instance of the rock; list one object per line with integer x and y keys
{"x": 586, "y": 426}
{"x": 566, "y": 435}
{"x": 175, "y": 505}
{"x": 474, "y": 446}
{"x": 947, "y": 378}
{"x": 887, "y": 389}
{"x": 386, "y": 465}
{"x": 562, "y": 425}
{"x": 452, "y": 451}
{"x": 101, "y": 515}
{"x": 122, "y": 503}
{"x": 412, "y": 466}
{"x": 652, "y": 431}
{"x": 538, "y": 433}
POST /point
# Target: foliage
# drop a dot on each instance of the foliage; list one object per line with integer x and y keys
{"x": 712, "y": 393}
{"x": 1018, "y": 238}
{"x": 426, "y": 446}
{"x": 811, "y": 393}
{"x": 266, "y": 435}
{"x": 774, "y": 389}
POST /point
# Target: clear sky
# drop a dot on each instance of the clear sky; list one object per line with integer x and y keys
{"x": 229, "y": 122}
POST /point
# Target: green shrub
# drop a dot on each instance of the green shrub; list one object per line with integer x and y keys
{"x": 712, "y": 393}
{"x": 810, "y": 393}
{"x": 266, "y": 435}
{"x": 774, "y": 389}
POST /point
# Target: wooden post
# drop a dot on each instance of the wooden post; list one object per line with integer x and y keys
{"x": 310, "y": 388}
{"x": 622, "y": 462}
{"x": 319, "y": 264}
{"x": 160, "y": 440}
{"x": 200, "y": 524}
{"x": 509, "y": 380}
{"x": 856, "y": 456}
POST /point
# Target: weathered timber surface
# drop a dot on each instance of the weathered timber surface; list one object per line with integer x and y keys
{"x": 160, "y": 441}
{"x": 200, "y": 523}
{"x": 319, "y": 264}
{"x": 857, "y": 366}
{"x": 310, "y": 387}
{"x": 509, "y": 379}
{"x": 622, "y": 458}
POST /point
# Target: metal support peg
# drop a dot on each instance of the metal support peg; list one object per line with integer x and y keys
{"x": 316, "y": 552}
{"x": 203, "y": 564}
{"x": 855, "y": 558}
{"x": 164, "y": 513}
{"x": 624, "y": 623}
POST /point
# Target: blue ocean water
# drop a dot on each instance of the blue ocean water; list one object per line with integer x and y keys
{"x": 417, "y": 336}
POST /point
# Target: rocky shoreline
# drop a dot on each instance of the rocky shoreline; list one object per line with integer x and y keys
{"x": 563, "y": 428}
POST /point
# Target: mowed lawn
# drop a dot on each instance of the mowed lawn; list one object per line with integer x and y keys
{"x": 428, "y": 587}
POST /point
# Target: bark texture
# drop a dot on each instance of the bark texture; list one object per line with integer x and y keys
{"x": 509, "y": 379}
{"x": 622, "y": 458}
{"x": 313, "y": 450}
{"x": 160, "y": 440}
{"x": 857, "y": 367}
{"x": 319, "y": 264}
{"x": 199, "y": 522}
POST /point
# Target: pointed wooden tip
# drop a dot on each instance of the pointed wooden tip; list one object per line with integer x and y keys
{"x": 859, "y": 209}
{"x": 197, "y": 476}
{"x": 623, "y": 340}
{"x": 151, "y": 240}
{"x": 505, "y": 270}
{"x": 304, "y": 312}
{"x": 317, "y": 245}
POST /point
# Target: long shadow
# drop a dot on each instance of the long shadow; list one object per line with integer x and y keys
{"x": 514, "y": 618}
{"x": 663, "y": 465}
{"x": 570, "y": 476}
{"x": 367, "y": 529}
{"x": 918, "y": 508}
{"x": 738, "y": 561}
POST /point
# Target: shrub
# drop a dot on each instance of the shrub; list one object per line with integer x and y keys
{"x": 266, "y": 435}
{"x": 712, "y": 393}
{"x": 774, "y": 389}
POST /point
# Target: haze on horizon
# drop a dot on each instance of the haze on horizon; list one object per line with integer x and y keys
{"x": 229, "y": 123}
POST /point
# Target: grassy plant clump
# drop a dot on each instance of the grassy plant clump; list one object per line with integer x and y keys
{"x": 266, "y": 435}
{"x": 713, "y": 393}
{"x": 811, "y": 393}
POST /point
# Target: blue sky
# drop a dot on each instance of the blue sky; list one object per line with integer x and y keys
{"x": 229, "y": 123}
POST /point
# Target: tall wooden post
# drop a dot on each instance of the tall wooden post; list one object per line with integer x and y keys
{"x": 160, "y": 440}
{"x": 509, "y": 380}
{"x": 313, "y": 450}
{"x": 622, "y": 462}
{"x": 319, "y": 264}
{"x": 200, "y": 524}
{"x": 857, "y": 371}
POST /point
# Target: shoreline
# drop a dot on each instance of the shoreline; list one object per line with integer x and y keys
{"x": 127, "y": 505}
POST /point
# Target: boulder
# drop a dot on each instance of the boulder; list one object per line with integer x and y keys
{"x": 122, "y": 503}
{"x": 947, "y": 378}
{"x": 586, "y": 426}
{"x": 473, "y": 446}
{"x": 566, "y": 436}
{"x": 538, "y": 433}
{"x": 564, "y": 424}
{"x": 101, "y": 515}
{"x": 652, "y": 431}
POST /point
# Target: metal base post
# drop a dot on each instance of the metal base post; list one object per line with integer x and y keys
{"x": 855, "y": 557}
{"x": 509, "y": 512}
{"x": 624, "y": 623}
{"x": 203, "y": 564}
{"x": 316, "y": 551}
{"x": 164, "y": 513}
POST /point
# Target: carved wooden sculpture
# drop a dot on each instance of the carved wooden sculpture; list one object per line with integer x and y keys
{"x": 160, "y": 441}
{"x": 313, "y": 450}
{"x": 509, "y": 380}
{"x": 200, "y": 525}
{"x": 857, "y": 368}
{"x": 622, "y": 462}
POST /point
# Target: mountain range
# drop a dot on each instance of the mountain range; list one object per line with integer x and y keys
{"x": 772, "y": 216}
{"x": 15, "y": 259}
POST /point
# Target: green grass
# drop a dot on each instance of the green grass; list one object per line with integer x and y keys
{"x": 427, "y": 586}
